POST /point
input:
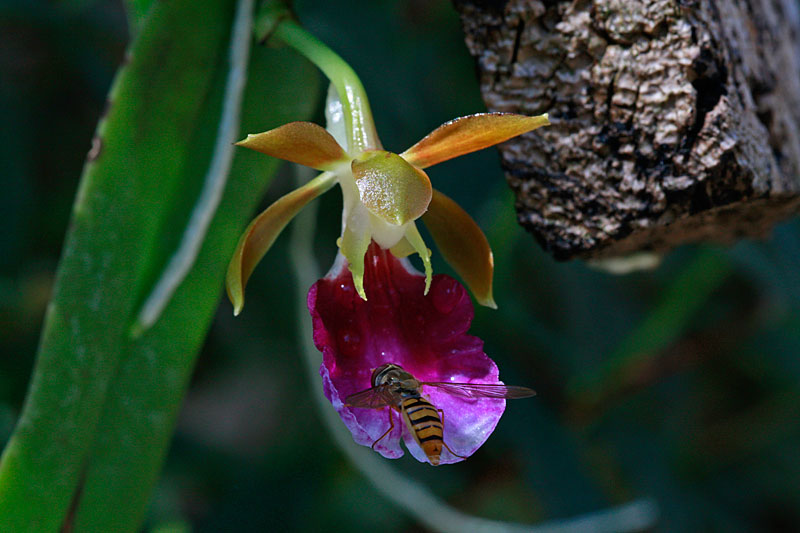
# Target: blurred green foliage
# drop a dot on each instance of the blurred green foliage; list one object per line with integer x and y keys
{"x": 682, "y": 383}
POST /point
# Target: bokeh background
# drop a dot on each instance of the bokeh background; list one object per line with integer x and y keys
{"x": 681, "y": 384}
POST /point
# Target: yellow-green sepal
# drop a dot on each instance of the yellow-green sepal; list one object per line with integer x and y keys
{"x": 463, "y": 245}
{"x": 262, "y": 232}
{"x": 354, "y": 243}
{"x": 390, "y": 187}
{"x": 468, "y": 134}
{"x": 402, "y": 249}
{"x": 413, "y": 238}
{"x": 305, "y": 143}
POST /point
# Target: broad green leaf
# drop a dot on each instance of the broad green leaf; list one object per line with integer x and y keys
{"x": 137, "y": 11}
{"x": 132, "y": 167}
{"x": 136, "y": 184}
{"x": 147, "y": 393}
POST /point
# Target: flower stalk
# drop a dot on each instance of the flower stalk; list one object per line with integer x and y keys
{"x": 359, "y": 125}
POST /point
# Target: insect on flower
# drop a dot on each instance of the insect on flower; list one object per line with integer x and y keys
{"x": 373, "y": 307}
{"x": 394, "y": 387}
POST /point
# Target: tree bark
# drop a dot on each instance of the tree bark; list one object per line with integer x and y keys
{"x": 673, "y": 120}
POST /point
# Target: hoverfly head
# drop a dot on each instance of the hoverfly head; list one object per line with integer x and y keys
{"x": 388, "y": 373}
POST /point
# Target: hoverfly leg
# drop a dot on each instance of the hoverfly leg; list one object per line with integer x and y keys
{"x": 391, "y": 427}
{"x": 451, "y": 451}
{"x": 441, "y": 415}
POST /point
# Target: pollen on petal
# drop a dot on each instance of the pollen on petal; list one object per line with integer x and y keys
{"x": 425, "y": 334}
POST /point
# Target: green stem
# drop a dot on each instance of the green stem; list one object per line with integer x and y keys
{"x": 360, "y": 127}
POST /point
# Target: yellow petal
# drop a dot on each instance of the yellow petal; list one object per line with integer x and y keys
{"x": 463, "y": 245}
{"x": 402, "y": 249}
{"x": 353, "y": 245}
{"x": 415, "y": 240}
{"x": 391, "y": 188}
{"x": 262, "y": 232}
{"x": 469, "y": 134}
{"x": 305, "y": 143}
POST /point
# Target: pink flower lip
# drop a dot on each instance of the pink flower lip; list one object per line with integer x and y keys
{"x": 423, "y": 334}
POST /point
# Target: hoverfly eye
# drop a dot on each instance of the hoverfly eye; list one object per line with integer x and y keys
{"x": 377, "y": 374}
{"x": 387, "y": 373}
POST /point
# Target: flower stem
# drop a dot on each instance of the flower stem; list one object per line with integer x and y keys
{"x": 361, "y": 133}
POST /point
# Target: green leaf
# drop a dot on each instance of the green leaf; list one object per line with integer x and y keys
{"x": 137, "y": 11}
{"x": 140, "y": 411}
{"x": 101, "y": 408}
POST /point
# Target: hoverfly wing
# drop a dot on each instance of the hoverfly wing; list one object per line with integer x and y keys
{"x": 373, "y": 398}
{"x": 481, "y": 390}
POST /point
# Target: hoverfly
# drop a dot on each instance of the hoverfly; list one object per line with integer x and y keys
{"x": 393, "y": 387}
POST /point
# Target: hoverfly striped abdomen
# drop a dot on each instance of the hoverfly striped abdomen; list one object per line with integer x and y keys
{"x": 423, "y": 420}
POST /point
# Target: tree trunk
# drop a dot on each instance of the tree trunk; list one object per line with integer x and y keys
{"x": 673, "y": 120}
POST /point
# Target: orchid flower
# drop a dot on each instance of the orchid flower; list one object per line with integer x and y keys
{"x": 373, "y": 308}
{"x": 384, "y": 193}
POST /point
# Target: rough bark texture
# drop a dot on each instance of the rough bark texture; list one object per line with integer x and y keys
{"x": 673, "y": 121}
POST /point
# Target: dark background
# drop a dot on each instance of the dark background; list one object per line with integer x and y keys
{"x": 681, "y": 384}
